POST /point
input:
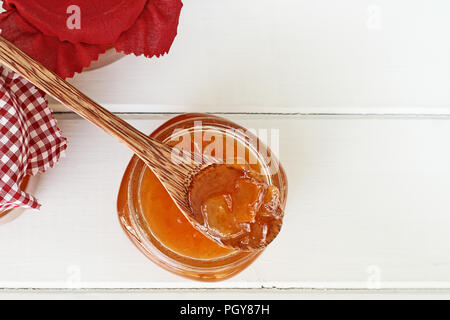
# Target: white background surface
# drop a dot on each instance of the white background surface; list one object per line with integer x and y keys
{"x": 368, "y": 198}
{"x": 379, "y": 56}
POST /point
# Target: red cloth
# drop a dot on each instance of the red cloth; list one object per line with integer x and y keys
{"x": 30, "y": 141}
{"x": 141, "y": 27}
{"x": 63, "y": 57}
{"x": 102, "y": 21}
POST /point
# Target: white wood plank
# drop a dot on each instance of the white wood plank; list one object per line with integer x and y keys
{"x": 368, "y": 207}
{"x": 224, "y": 294}
{"x": 352, "y": 56}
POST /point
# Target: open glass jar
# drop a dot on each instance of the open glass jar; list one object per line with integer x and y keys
{"x": 154, "y": 224}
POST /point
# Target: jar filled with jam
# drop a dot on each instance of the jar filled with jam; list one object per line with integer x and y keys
{"x": 160, "y": 230}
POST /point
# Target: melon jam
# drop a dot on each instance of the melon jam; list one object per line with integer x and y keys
{"x": 159, "y": 229}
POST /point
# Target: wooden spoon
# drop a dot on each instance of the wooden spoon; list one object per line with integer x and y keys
{"x": 174, "y": 169}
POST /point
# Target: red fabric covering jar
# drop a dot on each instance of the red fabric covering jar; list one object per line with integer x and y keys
{"x": 67, "y": 35}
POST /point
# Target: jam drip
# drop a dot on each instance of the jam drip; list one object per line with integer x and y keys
{"x": 235, "y": 207}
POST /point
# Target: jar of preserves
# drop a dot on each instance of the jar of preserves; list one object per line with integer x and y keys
{"x": 158, "y": 228}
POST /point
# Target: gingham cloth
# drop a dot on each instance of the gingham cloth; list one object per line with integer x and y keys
{"x": 30, "y": 141}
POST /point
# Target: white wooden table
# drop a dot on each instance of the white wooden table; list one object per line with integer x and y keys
{"x": 359, "y": 91}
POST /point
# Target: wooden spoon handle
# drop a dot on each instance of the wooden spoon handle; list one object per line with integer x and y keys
{"x": 75, "y": 100}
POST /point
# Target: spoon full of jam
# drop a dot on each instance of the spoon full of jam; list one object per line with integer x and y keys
{"x": 232, "y": 205}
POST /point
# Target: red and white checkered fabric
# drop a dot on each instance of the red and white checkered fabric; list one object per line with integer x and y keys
{"x": 30, "y": 141}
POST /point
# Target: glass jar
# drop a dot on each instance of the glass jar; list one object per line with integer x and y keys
{"x": 137, "y": 214}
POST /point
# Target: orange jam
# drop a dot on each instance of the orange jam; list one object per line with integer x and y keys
{"x": 160, "y": 230}
{"x": 167, "y": 222}
{"x": 236, "y": 207}
{"x": 170, "y": 226}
